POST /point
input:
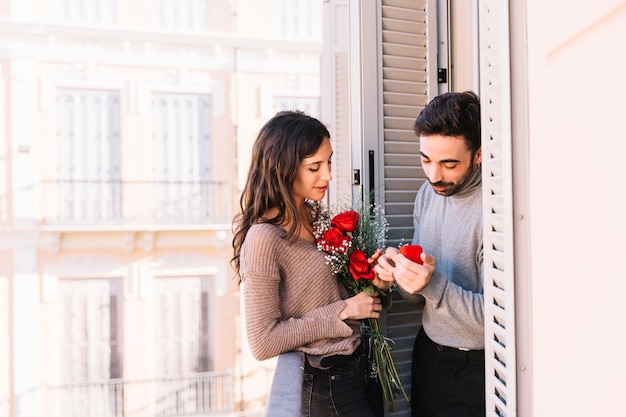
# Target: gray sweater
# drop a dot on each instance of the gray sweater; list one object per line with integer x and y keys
{"x": 451, "y": 229}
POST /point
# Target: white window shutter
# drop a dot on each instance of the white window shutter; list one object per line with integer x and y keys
{"x": 91, "y": 334}
{"x": 181, "y": 15}
{"x": 87, "y": 12}
{"x": 182, "y": 137}
{"x": 182, "y": 155}
{"x": 183, "y": 331}
{"x": 88, "y": 137}
{"x": 408, "y": 63}
{"x": 294, "y": 19}
{"x": 309, "y": 105}
{"x": 495, "y": 93}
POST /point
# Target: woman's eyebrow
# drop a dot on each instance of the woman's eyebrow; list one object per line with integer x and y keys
{"x": 319, "y": 162}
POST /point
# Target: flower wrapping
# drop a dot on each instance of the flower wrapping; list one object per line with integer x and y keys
{"x": 350, "y": 237}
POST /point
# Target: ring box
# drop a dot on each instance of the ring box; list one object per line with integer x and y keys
{"x": 412, "y": 252}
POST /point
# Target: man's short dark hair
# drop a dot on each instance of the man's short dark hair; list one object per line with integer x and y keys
{"x": 452, "y": 114}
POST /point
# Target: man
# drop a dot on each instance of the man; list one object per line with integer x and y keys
{"x": 448, "y": 377}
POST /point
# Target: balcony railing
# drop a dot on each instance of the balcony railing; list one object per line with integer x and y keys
{"x": 285, "y": 396}
{"x": 118, "y": 202}
{"x": 202, "y": 394}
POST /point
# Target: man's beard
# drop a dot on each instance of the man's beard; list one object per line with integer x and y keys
{"x": 453, "y": 187}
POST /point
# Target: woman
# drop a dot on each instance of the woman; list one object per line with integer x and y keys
{"x": 292, "y": 299}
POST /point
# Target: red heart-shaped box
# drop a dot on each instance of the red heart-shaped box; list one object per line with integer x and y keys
{"x": 412, "y": 252}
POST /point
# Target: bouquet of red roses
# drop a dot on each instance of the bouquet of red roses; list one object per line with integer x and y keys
{"x": 349, "y": 238}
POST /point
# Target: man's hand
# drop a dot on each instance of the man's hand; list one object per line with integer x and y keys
{"x": 410, "y": 276}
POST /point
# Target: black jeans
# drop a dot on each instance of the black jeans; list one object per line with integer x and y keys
{"x": 446, "y": 381}
{"x": 339, "y": 391}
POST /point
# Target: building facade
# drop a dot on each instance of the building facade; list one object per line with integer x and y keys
{"x": 126, "y": 130}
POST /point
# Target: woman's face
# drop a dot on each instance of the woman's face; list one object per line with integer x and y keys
{"x": 314, "y": 174}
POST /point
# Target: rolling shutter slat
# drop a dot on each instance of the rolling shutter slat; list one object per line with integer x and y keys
{"x": 404, "y": 80}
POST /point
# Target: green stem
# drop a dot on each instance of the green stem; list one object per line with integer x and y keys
{"x": 382, "y": 364}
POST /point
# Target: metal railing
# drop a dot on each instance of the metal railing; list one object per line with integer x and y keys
{"x": 202, "y": 394}
{"x": 285, "y": 397}
{"x": 97, "y": 202}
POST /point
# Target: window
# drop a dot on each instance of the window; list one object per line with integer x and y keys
{"x": 87, "y": 12}
{"x": 309, "y": 105}
{"x": 182, "y": 149}
{"x": 90, "y": 312}
{"x": 88, "y": 169}
{"x": 181, "y": 15}
{"x": 298, "y": 19}
{"x": 183, "y": 331}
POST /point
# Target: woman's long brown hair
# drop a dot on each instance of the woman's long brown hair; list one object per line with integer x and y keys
{"x": 281, "y": 145}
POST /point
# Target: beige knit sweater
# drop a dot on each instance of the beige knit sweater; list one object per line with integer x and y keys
{"x": 292, "y": 299}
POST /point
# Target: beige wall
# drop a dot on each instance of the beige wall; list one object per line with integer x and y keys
{"x": 241, "y": 64}
{"x": 6, "y": 267}
{"x": 577, "y": 202}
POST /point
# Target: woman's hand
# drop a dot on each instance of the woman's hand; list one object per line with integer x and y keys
{"x": 361, "y": 306}
{"x": 385, "y": 266}
{"x": 377, "y": 282}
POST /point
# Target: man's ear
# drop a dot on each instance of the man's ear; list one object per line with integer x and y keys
{"x": 478, "y": 156}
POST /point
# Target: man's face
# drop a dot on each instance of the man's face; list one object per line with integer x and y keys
{"x": 447, "y": 162}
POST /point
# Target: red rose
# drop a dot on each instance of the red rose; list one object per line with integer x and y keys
{"x": 346, "y": 222}
{"x": 334, "y": 240}
{"x": 359, "y": 267}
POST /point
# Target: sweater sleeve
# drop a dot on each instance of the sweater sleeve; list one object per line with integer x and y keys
{"x": 269, "y": 335}
{"x": 269, "y": 331}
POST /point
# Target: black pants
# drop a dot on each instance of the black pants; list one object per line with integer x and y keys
{"x": 344, "y": 390}
{"x": 446, "y": 382}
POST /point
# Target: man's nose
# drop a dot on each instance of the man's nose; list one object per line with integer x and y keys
{"x": 434, "y": 173}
